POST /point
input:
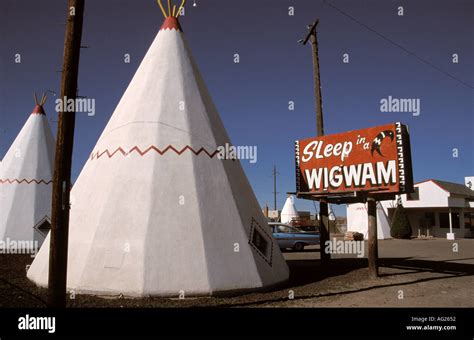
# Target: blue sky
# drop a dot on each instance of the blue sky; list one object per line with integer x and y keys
{"x": 252, "y": 96}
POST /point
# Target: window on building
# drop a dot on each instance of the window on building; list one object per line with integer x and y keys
{"x": 430, "y": 219}
{"x": 444, "y": 220}
{"x": 414, "y": 196}
{"x": 468, "y": 221}
{"x": 455, "y": 220}
{"x": 471, "y": 218}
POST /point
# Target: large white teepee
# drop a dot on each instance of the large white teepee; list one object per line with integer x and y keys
{"x": 357, "y": 220}
{"x": 154, "y": 210}
{"x": 289, "y": 210}
{"x": 26, "y": 181}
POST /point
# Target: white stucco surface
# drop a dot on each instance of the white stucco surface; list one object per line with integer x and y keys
{"x": 25, "y": 181}
{"x": 154, "y": 211}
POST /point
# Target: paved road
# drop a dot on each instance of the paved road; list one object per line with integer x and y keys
{"x": 434, "y": 249}
{"x": 414, "y": 273}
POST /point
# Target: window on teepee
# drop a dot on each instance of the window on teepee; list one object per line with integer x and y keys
{"x": 260, "y": 242}
{"x": 43, "y": 227}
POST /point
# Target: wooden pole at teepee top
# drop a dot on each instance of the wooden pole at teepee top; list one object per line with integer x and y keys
{"x": 63, "y": 159}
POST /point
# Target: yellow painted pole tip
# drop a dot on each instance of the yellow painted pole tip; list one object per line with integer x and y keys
{"x": 162, "y": 8}
{"x": 180, "y": 8}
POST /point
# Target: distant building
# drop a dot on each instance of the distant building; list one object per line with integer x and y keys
{"x": 469, "y": 181}
{"x": 274, "y": 215}
{"x": 435, "y": 208}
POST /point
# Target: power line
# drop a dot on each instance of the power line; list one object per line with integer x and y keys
{"x": 413, "y": 54}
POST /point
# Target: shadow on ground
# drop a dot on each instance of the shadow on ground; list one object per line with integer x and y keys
{"x": 347, "y": 276}
{"x": 308, "y": 271}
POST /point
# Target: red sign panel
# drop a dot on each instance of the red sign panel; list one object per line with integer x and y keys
{"x": 376, "y": 160}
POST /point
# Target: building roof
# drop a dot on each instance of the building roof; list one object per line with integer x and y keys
{"x": 453, "y": 188}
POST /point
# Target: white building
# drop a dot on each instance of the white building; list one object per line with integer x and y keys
{"x": 432, "y": 209}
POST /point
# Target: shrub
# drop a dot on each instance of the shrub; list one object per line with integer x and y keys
{"x": 400, "y": 227}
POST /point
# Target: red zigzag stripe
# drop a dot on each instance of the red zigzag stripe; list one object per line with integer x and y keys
{"x": 136, "y": 149}
{"x": 24, "y": 180}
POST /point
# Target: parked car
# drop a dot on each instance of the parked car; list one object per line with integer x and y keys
{"x": 289, "y": 236}
{"x": 307, "y": 228}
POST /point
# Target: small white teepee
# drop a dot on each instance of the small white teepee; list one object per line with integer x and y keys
{"x": 154, "y": 210}
{"x": 331, "y": 214}
{"x": 289, "y": 210}
{"x": 26, "y": 182}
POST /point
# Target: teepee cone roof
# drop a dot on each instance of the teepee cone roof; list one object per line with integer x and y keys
{"x": 289, "y": 210}
{"x": 38, "y": 110}
{"x": 154, "y": 210}
{"x": 26, "y": 180}
{"x": 171, "y": 23}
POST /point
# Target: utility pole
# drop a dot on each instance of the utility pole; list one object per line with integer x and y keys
{"x": 63, "y": 159}
{"x": 323, "y": 204}
{"x": 274, "y": 188}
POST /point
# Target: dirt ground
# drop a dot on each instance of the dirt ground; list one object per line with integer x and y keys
{"x": 413, "y": 273}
